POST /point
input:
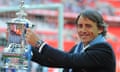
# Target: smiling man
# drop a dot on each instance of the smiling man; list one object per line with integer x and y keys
{"x": 91, "y": 54}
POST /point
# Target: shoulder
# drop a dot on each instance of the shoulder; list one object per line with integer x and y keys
{"x": 106, "y": 47}
{"x": 102, "y": 45}
{"x": 101, "y": 49}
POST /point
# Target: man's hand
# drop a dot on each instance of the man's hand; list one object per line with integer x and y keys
{"x": 31, "y": 37}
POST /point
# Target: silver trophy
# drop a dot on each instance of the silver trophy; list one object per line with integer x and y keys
{"x": 14, "y": 54}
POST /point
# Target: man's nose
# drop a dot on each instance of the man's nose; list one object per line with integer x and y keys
{"x": 83, "y": 28}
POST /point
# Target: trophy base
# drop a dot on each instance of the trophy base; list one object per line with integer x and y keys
{"x": 14, "y": 61}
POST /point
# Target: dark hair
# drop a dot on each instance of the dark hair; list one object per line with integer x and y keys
{"x": 94, "y": 16}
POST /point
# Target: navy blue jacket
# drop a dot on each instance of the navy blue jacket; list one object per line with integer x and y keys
{"x": 96, "y": 58}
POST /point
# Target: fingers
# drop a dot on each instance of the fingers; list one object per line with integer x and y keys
{"x": 31, "y": 37}
{"x": 28, "y": 35}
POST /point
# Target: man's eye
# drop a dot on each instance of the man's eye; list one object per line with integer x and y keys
{"x": 88, "y": 26}
{"x": 80, "y": 25}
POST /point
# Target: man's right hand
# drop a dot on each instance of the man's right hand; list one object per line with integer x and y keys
{"x": 31, "y": 37}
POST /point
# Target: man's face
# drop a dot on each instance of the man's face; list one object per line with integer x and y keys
{"x": 87, "y": 30}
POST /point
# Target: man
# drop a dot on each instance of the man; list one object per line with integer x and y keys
{"x": 91, "y": 54}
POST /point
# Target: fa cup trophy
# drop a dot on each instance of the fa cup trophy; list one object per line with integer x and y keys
{"x": 14, "y": 54}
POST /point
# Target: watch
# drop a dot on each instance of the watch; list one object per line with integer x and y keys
{"x": 39, "y": 43}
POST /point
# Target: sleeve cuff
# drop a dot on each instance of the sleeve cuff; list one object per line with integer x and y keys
{"x": 41, "y": 47}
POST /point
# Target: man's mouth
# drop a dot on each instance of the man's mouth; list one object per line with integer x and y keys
{"x": 84, "y": 35}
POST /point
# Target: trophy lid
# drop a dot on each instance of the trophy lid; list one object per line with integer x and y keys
{"x": 20, "y": 19}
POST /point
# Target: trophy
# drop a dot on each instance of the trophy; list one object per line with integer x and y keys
{"x": 14, "y": 54}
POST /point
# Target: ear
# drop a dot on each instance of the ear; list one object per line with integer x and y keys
{"x": 100, "y": 30}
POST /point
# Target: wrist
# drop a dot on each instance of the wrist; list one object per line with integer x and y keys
{"x": 39, "y": 43}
